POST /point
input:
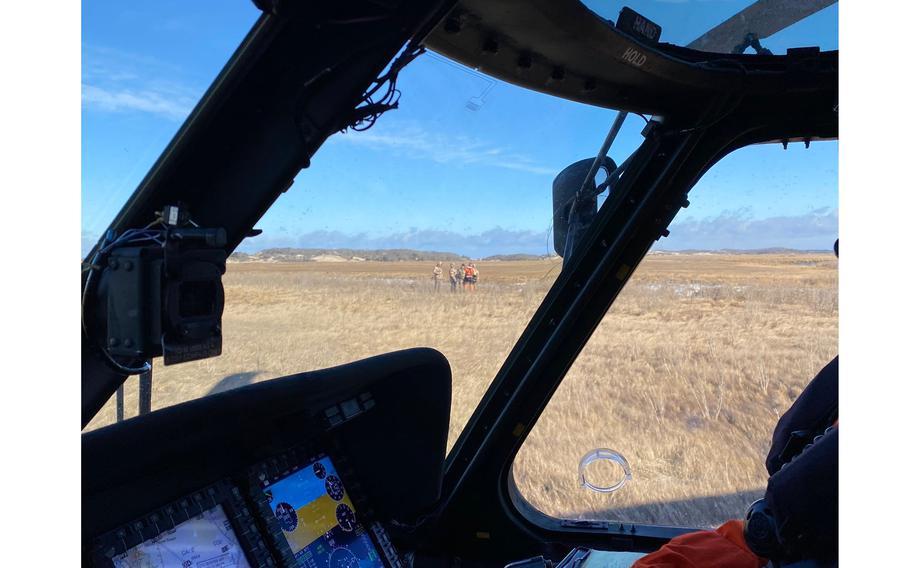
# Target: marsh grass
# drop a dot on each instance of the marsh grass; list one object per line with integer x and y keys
{"x": 686, "y": 375}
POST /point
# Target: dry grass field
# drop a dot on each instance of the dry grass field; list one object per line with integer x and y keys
{"x": 686, "y": 376}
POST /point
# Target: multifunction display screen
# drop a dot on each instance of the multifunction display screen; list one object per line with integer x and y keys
{"x": 204, "y": 541}
{"x": 319, "y": 520}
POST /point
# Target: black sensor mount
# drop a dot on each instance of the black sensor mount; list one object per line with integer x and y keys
{"x": 160, "y": 292}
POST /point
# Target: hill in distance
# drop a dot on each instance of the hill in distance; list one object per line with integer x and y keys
{"x": 397, "y": 255}
{"x": 772, "y": 250}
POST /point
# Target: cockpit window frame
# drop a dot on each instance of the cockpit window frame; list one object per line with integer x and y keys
{"x": 673, "y": 157}
{"x": 791, "y": 97}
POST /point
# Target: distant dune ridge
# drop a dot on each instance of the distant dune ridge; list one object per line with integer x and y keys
{"x": 399, "y": 255}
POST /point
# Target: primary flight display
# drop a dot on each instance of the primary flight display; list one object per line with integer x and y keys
{"x": 319, "y": 520}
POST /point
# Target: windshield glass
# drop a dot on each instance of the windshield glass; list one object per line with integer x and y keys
{"x": 460, "y": 176}
{"x": 723, "y": 25}
{"x": 431, "y": 229}
{"x": 144, "y": 67}
{"x": 718, "y": 331}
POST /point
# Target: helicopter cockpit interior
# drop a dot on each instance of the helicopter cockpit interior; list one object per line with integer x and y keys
{"x": 356, "y": 464}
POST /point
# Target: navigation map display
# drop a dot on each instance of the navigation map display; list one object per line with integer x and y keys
{"x": 318, "y": 519}
{"x": 204, "y": 541}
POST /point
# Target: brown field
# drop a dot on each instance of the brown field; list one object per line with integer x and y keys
{"x": 686, "y": 376}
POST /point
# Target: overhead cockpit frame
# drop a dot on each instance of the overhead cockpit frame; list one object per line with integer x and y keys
{"x": 301, "y": 74}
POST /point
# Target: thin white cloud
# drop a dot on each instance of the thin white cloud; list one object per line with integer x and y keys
{"x": 120, "y": 81}
{"x": 150, "y": 101}
{"x": 415, "y": 142}
{"x": 815, "y": 230}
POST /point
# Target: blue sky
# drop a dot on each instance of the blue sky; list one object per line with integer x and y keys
{"x": 465, "y": 165}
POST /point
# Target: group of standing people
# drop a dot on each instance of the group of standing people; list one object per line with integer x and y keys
{"x": 462, "y": 278}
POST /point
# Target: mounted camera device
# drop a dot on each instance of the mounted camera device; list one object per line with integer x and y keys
{"x": 159, "y": 292}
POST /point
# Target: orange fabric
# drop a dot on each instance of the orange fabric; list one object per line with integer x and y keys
{"x": 724, "y": 547}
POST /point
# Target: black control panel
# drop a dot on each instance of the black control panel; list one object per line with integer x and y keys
{"x": 212, "y": 526}
{"x": 301, "y": 508}
{"x": 288, "y": 472}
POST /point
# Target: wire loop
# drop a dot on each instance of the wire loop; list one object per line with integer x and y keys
{"x": 604, "y": 454}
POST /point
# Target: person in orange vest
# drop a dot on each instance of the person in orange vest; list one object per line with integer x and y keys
{"x": 796, "y": 522}
{"x": 469, "y": 277}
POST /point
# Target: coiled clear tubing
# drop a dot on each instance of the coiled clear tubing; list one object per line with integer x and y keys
{"x": 604, "y": 454}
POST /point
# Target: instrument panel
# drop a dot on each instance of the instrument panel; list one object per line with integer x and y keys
{"x": 211, "y": 527}
{"x": 291, "y": 510}
{"x": 291, "y": 472}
